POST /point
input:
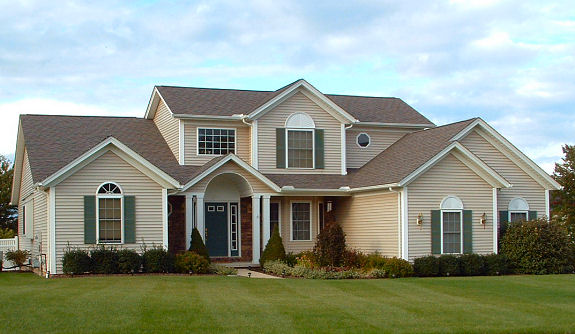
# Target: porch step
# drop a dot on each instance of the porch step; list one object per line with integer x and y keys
{"x": 238, "y": 264}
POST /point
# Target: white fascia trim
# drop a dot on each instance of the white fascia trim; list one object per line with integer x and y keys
{"x": 165, "y": 218}
{"x": 254, "y": 134}
{"x": 343, "y": 151}
{"x": 377, "y": 187}
{"x": 241, "y": 163}
{"x": 502, "y": 140}
{"x": 495, "y": 221}
{"x": 52, "y": 230}
{"x": 100, "y": 149}
{"x": 404, "y": 225}
{"x": 181, "y": 157}
{"x": 153, "y": 104}
{"x": 500, "y": 181}
{"x": 395, "y": 125}
{"x": 338, "y": 112}
{"x": 18, "y": 165}
{"x": 210, "y": 117}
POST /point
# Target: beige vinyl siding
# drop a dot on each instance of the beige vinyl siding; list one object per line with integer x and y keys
{"x": 26, "y": 192}
{"x": 370, "y": 222}
{"x": 285, "y": 207}
{"x": 277, "y": 117}
{"x": 233, "y": 168}
{"x": 107, "y": 168}
{"x": 523, "y": 185}
{"x": 191, "y": 156}
{"x": 449, "y": 177}
{"x": 40, "y": 245}
{"x": 380, "y": 139}
{"x": 169, "y": 127}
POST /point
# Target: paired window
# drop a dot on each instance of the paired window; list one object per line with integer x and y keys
{"x": 451, "y": 225}
{"x": 301, "y": 221}
{"x": 109, "y": 209}
{"x": 216, "y": 141}
{"x": 363, "y": 140}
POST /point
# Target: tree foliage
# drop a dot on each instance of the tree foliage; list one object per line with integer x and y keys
{"x": 197, "y": 244}
{"x": 329, "y": 248}
{"x": 8, "y": 213}
{"x": 274, "y": 249}
{"x": 563, "y": 203}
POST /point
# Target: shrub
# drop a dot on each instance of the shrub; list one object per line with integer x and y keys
{"x": 104, "y": 260}
{"x": 291, "y": 259}
{"x": 396, "y": 268}
{"x": 427, "y": 266}
{"x": 353, "y": 259}
{"x": 129, "y": 261}
{"x": 378, "y": 273}
{"x": 76, "y": 261}
{"x": 330, "y": 246}
{"x": 374, "y": 261}
{"x": 193, "y": 263}
{"x": 449, "y": 265}
{"x": 496, "y": 264}
{"x": 538, "y": 247}
{"x": 223, "y": 270}
{"x": 306, "y": 259}
{"x": 277, "y": 268}
{"x": 274, "y": 249}
{"x": 471, "y": 265}
{"x": 7, "y": 233}
{"x": 197, "y": 245}
{"x": 18, "y": 257}
{"x": 157, "y": 260}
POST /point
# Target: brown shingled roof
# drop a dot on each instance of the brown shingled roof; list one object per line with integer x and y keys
{"x": 228, "y": 102}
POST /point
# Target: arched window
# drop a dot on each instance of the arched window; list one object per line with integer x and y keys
{"x": 518, "y": 210}
{"x": 300, "y": 141}
{"x": 109, "y": 213}
{"x": 451, "y": 225}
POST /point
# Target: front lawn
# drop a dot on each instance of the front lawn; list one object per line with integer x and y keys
{"x": 213, "y": 304}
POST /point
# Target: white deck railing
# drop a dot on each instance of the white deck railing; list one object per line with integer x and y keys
{"x": 6, "y": 245}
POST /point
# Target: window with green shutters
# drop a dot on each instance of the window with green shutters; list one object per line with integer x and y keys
{"x": 300, "y": 145}
{"x": 451, "y": 228}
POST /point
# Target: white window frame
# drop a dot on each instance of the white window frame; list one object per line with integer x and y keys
{"x": 357, "y": 140}
{"x": 460, "y": 230}
{"x": 238, "y": 231}
{"x": 312, "y": 147}
{"x": 310, "y": 219}
{"x": 524, "y": 210}
{"x": 121, "y": 197}
{"x": 515, "y": 211}
{"x": 279, "y": 203}
{"x": 216, "y": 128}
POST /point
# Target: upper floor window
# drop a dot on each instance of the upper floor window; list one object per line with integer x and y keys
{"x": 518, "y": 210}
{"x": 109, "y": 210}
{"x": 300, "y": 141}
{"x": 216, "y": 141}
{"x": 363, "y": 140}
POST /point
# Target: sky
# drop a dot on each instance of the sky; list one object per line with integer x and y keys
{"x": 510, "y": 62}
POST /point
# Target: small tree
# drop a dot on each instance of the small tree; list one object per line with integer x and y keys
{"x": 564, "y": 200}
{"x": 8, "y": 213}
{"x": 330, "y": 245}
{"x": 197, "y": 245}
{"x": 274, "y": 249}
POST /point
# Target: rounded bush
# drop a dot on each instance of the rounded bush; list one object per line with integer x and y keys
{"x": 105, "y": 260}
{"x": 353, "y": 259}
{"x": 129, "y": 261}
{"x": 471, "y": 265}
{"x": 538, "y": 247}
{"x": 190, "y": 262}
{"x": 449, "y": 265}
{"x": 396, "y": 268}
{"x": 496, "y": 264}
{"x": 427, "y": 266}
{"x": 76, "y": 262}
{"x": 157, "y": 260}
{"x": 374, "y": 261}
{"x": 274, "y": 248}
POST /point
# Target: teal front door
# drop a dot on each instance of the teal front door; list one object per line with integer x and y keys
{"x": 216, "y": 215}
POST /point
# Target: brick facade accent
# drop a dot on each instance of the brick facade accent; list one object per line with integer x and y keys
{"x": 177, "y": 224}
{"x": 246, "y": 220}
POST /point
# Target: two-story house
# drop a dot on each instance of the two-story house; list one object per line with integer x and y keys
{"x": 236, "y": 164}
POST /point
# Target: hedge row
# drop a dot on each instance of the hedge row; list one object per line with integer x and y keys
{"x": 103, "y": 260}
{"x": 462, "y": 265}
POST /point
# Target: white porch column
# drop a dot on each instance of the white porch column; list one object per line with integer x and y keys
{"x": 256, "y": 228}
{"x": 200, "y": 221}
{"x": 266, "y": 219}
{"x": 189, "y": 218}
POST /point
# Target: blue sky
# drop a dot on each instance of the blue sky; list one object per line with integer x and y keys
{"x": 509, "y": 62}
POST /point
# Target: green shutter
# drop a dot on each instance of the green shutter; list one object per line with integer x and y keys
{"x": 503, "y": 223}
{"x": 280, "y": 148}
{"x": 89, "y": 219}
{"x": 435, "y": 231}
{"x": 532, "y": 215}
{"x": 319, "y": 149}
{"x": 129, "y": 219}
{"x": 467, "y": 231}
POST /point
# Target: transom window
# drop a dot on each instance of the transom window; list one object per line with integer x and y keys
{"x": 451, "y": 225}
{"x": 363, "y": 140}
{"x": 300, "y": 148}
{"x": 216, "y": 141}
{"x": 109, "y": 210}
{"x": 301, "y": 221}
{"x": 518, "y": 210}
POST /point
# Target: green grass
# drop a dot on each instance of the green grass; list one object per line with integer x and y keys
{"x": 209, "y": 304}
